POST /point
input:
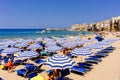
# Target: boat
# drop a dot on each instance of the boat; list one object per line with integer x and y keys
{"x": 43, "y": 31}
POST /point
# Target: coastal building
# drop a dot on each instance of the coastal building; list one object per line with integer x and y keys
{"x": 78, "y": 27}
{"x": 115, "y": 23}
{"x": 112, "y": 24}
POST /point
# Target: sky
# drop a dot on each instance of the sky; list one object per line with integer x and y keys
{"x": 55, "y": 13}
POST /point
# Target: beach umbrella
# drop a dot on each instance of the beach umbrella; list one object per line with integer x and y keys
{"x": 94, "y": 46}
{"x": 10, "y": 50}
{"x": 103, "y": 43}
{"x": 27, "y": 55}
{"x": 19, "y": 40}
{"x": 68, "y": 45}
{"x": 2, "y": 47}
{"x": 79, "y": 42}
{"x": 50, "y": 43}
{"x": 21, "y": 45}
{"x": 81, "y": 52}
{"x": 39, "y": 39}
{"x": 60, "y": 62}
{"x": 35, "y": 46}
{"x": 10, "y": 42}
{"x": 53, "y": 48}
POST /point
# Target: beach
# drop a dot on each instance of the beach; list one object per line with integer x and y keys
{"x": 107, "y": 69}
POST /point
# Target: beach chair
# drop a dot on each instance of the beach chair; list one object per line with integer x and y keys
{"x": 60, "y": 78}
{"x": 101, "y": 54}
{"x": 28, "y": 69}
{"x": 18, "y": 62}
{"x": 96, "y": 57}
{"x": 31, "y": 75}
{"x": 92, "y": 60}
{"x": 85, "y": 65}
{"x": 1, "y": 78}
{"x": 40, "y": 61}
{"x": 65, "y": 72}
{"x": 78, "y": 70}
{"x": 22, "y": 72}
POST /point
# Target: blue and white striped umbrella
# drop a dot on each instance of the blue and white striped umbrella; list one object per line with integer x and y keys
{"x": 2, "y": 47}
{"x": 38, "y": 39}
{"x": 21, "y": 45}
{"x": 50, "y": 43}
{"x": 102, "y": 43}
{"x": 35, "y": 46}
{"x": 53, "y": 48}
{"x": 68, "y": 45}
{"x": 79, "y": 42}
{"x": 10, "y": 50}
{"x": 81, "y": 52}
{"x": 60, "y": 62}
{"x": 27, "y": 54}
{"x": 94, "y": 46}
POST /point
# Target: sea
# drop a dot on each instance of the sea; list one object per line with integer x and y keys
{"x": 35, "y": 33}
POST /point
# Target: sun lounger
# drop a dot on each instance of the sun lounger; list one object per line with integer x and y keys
{"x": 85, "y": 65}
{"x": 77, "y": 69}
{"x": 92, "y": 60}
{"x": 28, "y": 69}
{"x": 22, "y": 72}
{"x": 101, "y": 54}
{"x": 1, "y": 79}
{"x": 65, "y": 72}
{"x": 41, "y": 61}
{"x": 60, "y": 78}
{"x": 31, "y": 75}
{"x": 96, "y": 57}
{"x": 18, "y": 62}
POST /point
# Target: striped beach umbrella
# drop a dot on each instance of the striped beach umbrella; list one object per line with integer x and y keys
{"x": 53, "y": 48}
{"x": 60, "y": 62}
{"x": 81, "y": 52}
{"x": 10, "y": 50}
{"x": 39, "y": 39}
{"x": 27, "y": 55}
{"x": 94, "y": 46}
{"x": 21, "y": 45}
{"x": 68, "y": 45}
{"x": 2, "y": 47}
{"x": 35, "y": 46}
{"x": 79, "y": 42}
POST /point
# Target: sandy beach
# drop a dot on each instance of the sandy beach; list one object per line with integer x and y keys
{"x": 107, "y": 69}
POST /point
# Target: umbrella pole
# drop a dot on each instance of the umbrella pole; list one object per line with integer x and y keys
{"x": 81, "y": 59}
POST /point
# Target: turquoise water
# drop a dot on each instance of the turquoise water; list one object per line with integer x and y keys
{"x": 33, "y": 33}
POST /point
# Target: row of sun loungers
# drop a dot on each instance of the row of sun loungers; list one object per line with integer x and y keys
{"x": 84, "y": 67}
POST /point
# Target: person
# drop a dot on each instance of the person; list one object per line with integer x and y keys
{"x": 49, "y": 77}
{"x": 10, "y": 65}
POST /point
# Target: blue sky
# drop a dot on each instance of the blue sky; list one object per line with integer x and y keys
{"x": 55, "y": 13}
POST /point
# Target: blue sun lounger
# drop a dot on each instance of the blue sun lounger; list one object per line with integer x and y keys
{"x": 40, "y": 61}
{"x": 92, "y": 60}
{"x": 28, "y": 69}
{"x": 85, "y": 65}
{"x": 31, "y": 75}
{"x": 77, "y": 69}
{"x": 1, "y": 79}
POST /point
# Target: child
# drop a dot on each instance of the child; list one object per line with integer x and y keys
{"x": 10, "y": 65}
